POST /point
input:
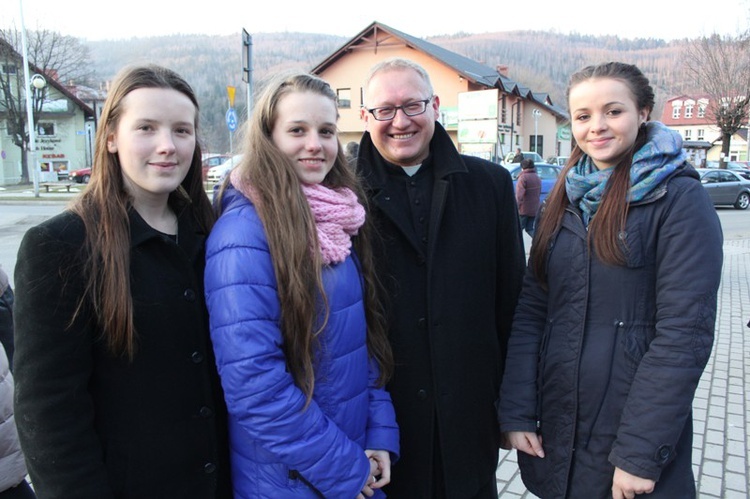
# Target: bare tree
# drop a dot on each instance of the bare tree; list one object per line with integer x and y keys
{"x": 59, "y": 57}
{"x": 720, "y": 67}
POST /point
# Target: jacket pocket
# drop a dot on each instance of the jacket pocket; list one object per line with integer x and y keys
{"x": 295, "y": 479}
{"x": 631, "y": 244}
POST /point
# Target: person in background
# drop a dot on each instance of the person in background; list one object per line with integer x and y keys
{"x": 293, "y": 302}
{"x": 117, "y": 394}
{"x": 528, "y": 191}
{"x": 452, "y": 259}
{"x": 615, "y": 322}
{"x": 351, "y": 152}
{"x": 518, "y": 157}
{"x": 13, "y": 484}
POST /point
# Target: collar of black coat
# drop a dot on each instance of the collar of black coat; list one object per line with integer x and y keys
{"x": 444, "y": 159}
{"x": 191, "y": 236}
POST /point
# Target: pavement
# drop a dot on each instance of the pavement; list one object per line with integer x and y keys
{"x": 721, "y": 409}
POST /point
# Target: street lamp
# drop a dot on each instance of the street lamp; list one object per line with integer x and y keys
{"x": 37, "y": 85}
{"x": 536, "y": 113}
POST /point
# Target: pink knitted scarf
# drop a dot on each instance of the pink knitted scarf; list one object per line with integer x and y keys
{"x": 337, "y": 212}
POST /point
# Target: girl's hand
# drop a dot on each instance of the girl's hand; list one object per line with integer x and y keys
{"x": 380, "y": 467}
{"x": 627, "y": 486}
{"x": 526, "y": 441}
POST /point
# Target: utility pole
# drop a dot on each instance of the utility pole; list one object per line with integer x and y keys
{"x": 31, "y": 166}
{"x": 247, "y": 68}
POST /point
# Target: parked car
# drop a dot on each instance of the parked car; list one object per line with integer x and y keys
{"x": 547, "y": 172}
{"x": 217, "y": 173}
{"x": 726, "y": 187}
{"x": 81, "y": 176}
{"x": 526, "y": 155}
{"x": 735, "y": 166}
{"x": 211, "y": 160}
{"x": 557, "y": 160}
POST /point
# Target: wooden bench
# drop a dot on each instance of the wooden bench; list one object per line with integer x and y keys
{"x": 47, "y": 185}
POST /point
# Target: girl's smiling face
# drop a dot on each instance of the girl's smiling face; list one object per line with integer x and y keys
{"x": 605, "y": 119}
{"x": 305, "y": 131}
{"x": 154, "y": 141}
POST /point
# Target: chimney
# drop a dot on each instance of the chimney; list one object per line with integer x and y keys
{"x": 502, "y": 69}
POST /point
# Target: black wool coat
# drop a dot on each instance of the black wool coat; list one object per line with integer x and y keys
{"x": 604, "y": 362}
{"x": 450, "y": 310}
{"x": 94, "y": 425}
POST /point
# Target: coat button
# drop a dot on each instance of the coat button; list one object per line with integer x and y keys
{"x": 663, "y": 453}
{"x": 189, "y": 295}
{"x": 196, "y": 357}
{"x": 422, "y": 323}
{"x": 205, "y": 412}
{"x": 209, "y": 468}
{"x": 422, "y": 394}
{"x": 420, "y": 261}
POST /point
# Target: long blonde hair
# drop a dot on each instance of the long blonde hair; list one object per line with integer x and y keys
{"x": 290, "y": 228}
{"x": 104, "y": 204}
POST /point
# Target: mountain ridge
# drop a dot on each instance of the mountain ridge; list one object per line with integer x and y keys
{"x": 211, "y": 62}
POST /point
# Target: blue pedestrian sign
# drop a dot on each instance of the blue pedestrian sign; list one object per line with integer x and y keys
{"x": 231, "y": 119}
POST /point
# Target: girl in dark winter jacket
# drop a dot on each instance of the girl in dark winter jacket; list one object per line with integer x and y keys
{"x": 615, "y": 322}
{"x": 117, "y": 393}
{"x": 290, "y": 287}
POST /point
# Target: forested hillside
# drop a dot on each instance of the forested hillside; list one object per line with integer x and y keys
{"x": 542, "y": 61}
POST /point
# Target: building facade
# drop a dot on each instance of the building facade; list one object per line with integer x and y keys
{"x": 515, "y": 117}
{"x": 689, "y": 115}
{"x": 64, "y": 128}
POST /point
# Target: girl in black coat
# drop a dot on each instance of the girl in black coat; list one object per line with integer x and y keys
{"x": 117, "y": 394}
{"x": 615, "y": 321}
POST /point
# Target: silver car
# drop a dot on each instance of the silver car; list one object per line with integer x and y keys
{"x": 726, "y": 187}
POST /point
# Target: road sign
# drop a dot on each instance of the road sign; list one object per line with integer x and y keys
{"x": 231, "y": 119}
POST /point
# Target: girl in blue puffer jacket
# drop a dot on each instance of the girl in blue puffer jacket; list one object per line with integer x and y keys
{"x": 299, "y": 338}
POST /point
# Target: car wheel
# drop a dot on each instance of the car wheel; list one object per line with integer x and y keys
{"x": 85, "y": 179}
{"x": 743, "y": 201}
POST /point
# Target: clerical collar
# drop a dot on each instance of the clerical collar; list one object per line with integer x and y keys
{"x": 411, "y": 170}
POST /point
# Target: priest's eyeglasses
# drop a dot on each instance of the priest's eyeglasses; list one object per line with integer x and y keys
{"x": 387, "y": 113}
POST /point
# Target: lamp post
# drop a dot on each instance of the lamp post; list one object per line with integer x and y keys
{"x": 536, "y": 113}
{"x": 37, "y": 82}
{"x": 37, "y": 85}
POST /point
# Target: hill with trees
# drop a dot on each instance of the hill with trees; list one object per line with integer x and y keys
{"x": 542, "y": 61}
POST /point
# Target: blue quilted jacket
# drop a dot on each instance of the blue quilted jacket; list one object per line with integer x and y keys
{"x": 279, "y": 449}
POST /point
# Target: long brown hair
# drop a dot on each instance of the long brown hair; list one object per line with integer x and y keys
{"x": 104, "y": 205}
{"x": 290, "y": 228}
{"x": 612, "y": 214}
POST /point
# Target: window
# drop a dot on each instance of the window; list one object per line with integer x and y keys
{"x": 503, "y": 109}
{"x": 689, "y": 111}
{"x": 702, "y": 110}
{"x": 502, "y": 138}
{"x": 9, "y": 69}
{"x": 345, "y": 97}
{"x": 45, "y": 129}
{"x": 676, "y": 113}
{"x": 701, "y": 135}
{"x": 688, "y": 134}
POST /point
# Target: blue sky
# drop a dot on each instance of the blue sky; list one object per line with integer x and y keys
{"x": 96, "y": 20}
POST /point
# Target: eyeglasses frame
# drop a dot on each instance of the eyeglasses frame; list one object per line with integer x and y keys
{"x": 401, "y": 107}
